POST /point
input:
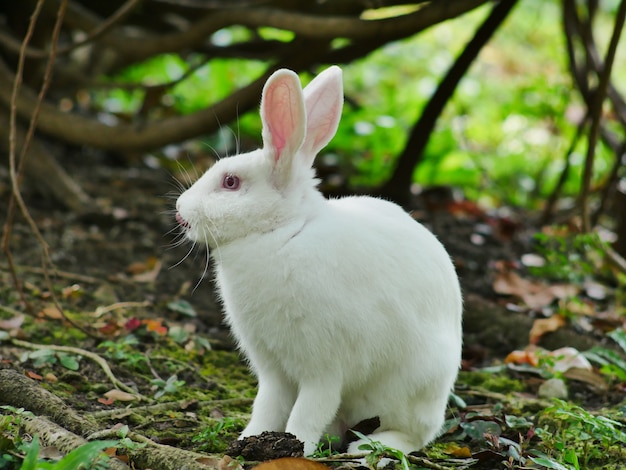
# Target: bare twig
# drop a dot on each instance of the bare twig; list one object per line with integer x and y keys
{"x": 556, "y": 192}
{"x": 16, "y": 196}
{"x": 12, "y": 44}
{"x": 13, "y": 171}
{"x": 62, "y": 274}
{"x": 172, "y": 405}
{"x": 397, "y": 187}
{"x": 595, "y": 111}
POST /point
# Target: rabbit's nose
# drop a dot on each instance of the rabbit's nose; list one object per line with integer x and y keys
{"x": 182, "y": 222}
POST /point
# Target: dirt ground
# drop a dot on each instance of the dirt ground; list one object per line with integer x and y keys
{"x": 125, "y": 255}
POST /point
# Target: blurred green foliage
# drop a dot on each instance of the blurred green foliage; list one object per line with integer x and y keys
{"x": 502, "y": 138}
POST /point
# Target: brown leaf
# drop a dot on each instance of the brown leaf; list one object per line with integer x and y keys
{"x": 291, "y": 463}
{"x": 149, "y": 275}
{"x": 225, "y": 463}
{"x": 541, "y": 326}
{"x": 455, "y": 450}
{"x": 119, "y": 395}
{"x": 141, "y": 267}
{"x": 527, "y": 356}
{"x": 155, "y": 325}
{"x": 561, "y": 360}
{"x": 33, "y": 375}
{"x": 50, "y": 377}
{"x": 569, "y": 358}
{"x": 535, "y": 294}
{"x": 51, "y": 312}
{"x": 587, "y": 376}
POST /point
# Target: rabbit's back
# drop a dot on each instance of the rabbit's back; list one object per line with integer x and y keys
{"x": 358, "y": 278}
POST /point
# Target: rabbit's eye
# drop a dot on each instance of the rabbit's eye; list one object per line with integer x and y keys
{"x": 230, "y": 182}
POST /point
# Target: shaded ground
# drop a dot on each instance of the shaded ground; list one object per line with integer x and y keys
{"x": 154, "y": 316}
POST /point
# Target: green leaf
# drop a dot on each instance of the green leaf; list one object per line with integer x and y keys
{"x": 41, "y": 353}
{"x": 30, "y": 459}
{"x": 183, "y": 307}
{"x": 549, "y": 463}
{"x": 85, "y": 454}
{"x": 517, "y": 422}
{"x": 619, "y": 336}
{"x": 178, "y": 334}
{"x": 478, "y": 428}
{"x": 69, "y": 361}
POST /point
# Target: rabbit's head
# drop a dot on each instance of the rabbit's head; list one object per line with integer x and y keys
{"x": 260, "y": 191}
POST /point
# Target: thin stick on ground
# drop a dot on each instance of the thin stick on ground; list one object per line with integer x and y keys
{"x": 104, "y": 365}
{"x": 173, "y": 405}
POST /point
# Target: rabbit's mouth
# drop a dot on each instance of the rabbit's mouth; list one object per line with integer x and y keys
{"x": 182, "y": 222}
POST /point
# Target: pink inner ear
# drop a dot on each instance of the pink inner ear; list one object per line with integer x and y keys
{"x": 279, "y": 143}
{"x": 280, "y": 118}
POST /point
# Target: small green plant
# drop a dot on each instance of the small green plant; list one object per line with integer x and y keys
{"x": 124, "y": 351}
{"x": 215, "y": 437}
{"x": 126, "y": 442}
{"x": 378, "y": 451}
{"x": 325, "y": 446}
{"x": 171, "y": 385}
{"x": 573, "y": 437}
{"x": 11, "y": 442}
{"x": 612, "y": 363}
{"x": 43, "y": 357}
{"x": 572, "y": 258}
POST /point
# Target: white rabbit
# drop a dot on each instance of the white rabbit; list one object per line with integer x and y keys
{"x": 346, "y": 309}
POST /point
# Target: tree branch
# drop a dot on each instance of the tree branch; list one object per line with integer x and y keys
{"x": 595, "y": 111}
{"x": 398, "y": 186}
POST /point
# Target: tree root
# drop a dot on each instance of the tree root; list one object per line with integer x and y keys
{"x": 63, "y": 427}
{"x": 54, "y": 435}
{"x": 22, "y": 392}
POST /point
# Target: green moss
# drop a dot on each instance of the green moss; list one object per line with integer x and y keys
{"x": 494, "y": 382}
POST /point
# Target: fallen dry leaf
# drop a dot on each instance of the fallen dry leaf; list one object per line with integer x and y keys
{"x": 155, "y": 326}
{"x": 455, "y": 450}
{"x": 561, "y": 360}
{"x": 291, "y": 463}
{"x": 225, "y": 463}
{"x": 33, "y": 375}
{"x": 569, "y": 358}
{"x": 12, "y": 323}
{"x": 590, "y": 377}
{"x": 51, "y": 312}
{"x": 535, "y": 294}
{"x": 541, "y": 326}
{"x": 145, "y": 271}
{"x": 522, "y": 357}
{"x": 119, "y": 395}
{"x": 50, "y": 377}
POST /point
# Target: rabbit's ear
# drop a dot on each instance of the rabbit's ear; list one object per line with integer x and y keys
{"x": 323, "y": 99}
{"x": 284, "y": 121}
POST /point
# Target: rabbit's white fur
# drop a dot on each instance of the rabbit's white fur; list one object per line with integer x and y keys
{"x": 346, "y": 309}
